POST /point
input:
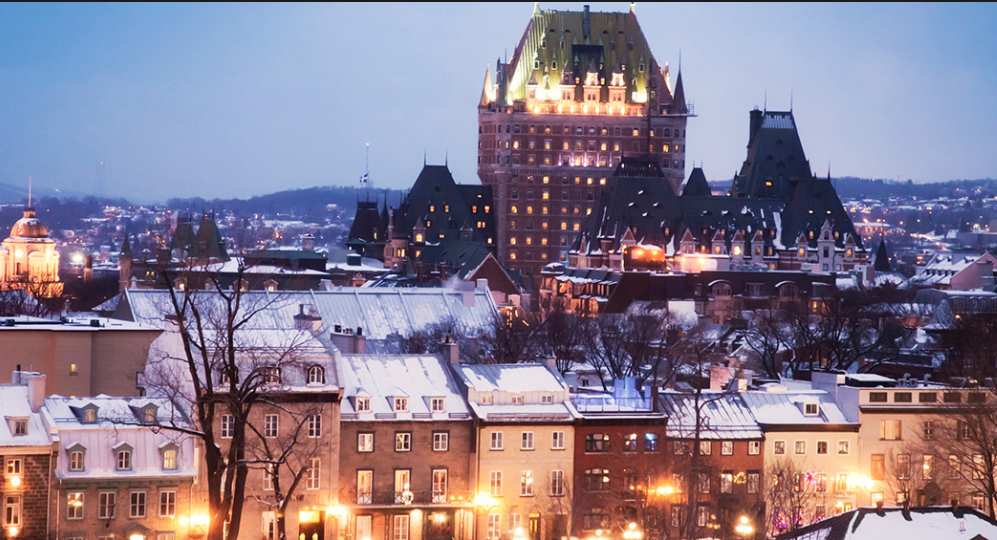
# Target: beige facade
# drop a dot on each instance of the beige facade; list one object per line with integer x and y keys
{"x": 828, "y": 463}
{"x": 28, "y": 259}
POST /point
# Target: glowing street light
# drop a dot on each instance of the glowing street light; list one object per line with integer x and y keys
{"x": 744, "y": 527}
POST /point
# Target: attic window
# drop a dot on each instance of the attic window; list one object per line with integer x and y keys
{"x": 363, "y": 404}
{"x": 810, "y": 409}
{"x": 271, "y": 376}
{"x": 437, "y": 404}
{"x": 19, "y": 426}
{"x": 90, "y": 416}
{"x": 401, "y": 404}
{"x": 149, "y": 414}
{"x": 316, "y": 375}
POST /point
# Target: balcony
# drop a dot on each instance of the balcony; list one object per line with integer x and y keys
{"x": 415, "y": 498}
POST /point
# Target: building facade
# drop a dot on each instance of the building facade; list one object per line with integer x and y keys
{"x": 580, "y": 90}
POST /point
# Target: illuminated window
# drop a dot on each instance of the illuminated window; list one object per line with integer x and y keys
{"x": 529, "y": 240}
{"x": 529, "y": 209}
{"x": 515, "y": 210}
{"x": 512, "y": 255}
{"x": 575, "y": 227}
{"x": 546, "y": 193}
{"x": 602, "y": 181}
{"x": 512, "y": 240}
{"x": 564, "y": 225}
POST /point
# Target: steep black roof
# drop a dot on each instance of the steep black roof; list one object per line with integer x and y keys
{"x": 697, "y": 186}
{"x": 445, "y": 207}
{"x": 775, "y": 161}
{"x": 368, "y": 224}
{"x": 208, "y": 244}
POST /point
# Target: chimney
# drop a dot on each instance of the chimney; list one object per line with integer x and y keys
{"x": 550, "y": 362}
{"x": 308, "y": 242}
{"x": 755, "y": 124}
{"x": 443, "y": 270}
{"x": 453, "y": 352}
{"x": 360, "y": 342}
{"x": 36, "y": 391}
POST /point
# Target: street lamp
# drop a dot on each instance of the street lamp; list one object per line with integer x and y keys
{"x": 485, "y": 501}
{"x": 744, "y": 528}
{"x": 632, "y": 533}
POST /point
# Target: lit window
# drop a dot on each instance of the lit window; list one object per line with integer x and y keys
{"x": 403, "y": 442}
{"x": 170, "y": 459}
{"x": 365, "y": 442}
{"x": 401, "y": 404}
{"x": 363, "y": 404}
{"x": 74, "y": 508}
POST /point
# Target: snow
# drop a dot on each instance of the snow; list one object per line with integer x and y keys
{"x": 383, "y": 377}
{"x": 777, "y": 217}
{"x": 930, "y": 523}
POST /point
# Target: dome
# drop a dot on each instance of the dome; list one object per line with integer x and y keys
{"x": 29, "y": 226}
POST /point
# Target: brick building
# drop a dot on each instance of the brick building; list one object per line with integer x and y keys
{"x": 26, "y": 455}
{"x": 580, "y": 90}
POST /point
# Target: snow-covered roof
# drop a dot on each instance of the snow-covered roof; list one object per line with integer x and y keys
{"x": 789, "y": 408}
{"x": 510, "y": 377}
{"x": 533, "y": 383}
{"x": 15, "y": 402}
{"x": 723, "y": 416}
{"x": 928, "y": 523}
{"x": 384, "y": 377}
{"x": 119, "y": 422}
{"x": 380, "y": 312}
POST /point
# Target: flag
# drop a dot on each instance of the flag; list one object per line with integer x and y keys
{"x": 363, "y": 179}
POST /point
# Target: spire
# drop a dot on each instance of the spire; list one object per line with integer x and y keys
{"x": 678, "y": 101}
{"x": 536, "y": 9}
{"x": 126, "y": 248}
{"x": 487, "y": 94}
{"x": 29, "y": 192}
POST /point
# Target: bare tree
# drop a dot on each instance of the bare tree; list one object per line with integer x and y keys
{"x": 219, "y": 364}
{"x": 559, "y": 334}
{"x": 631, "y": 344}
{"x": 511, "y": 337}
{"x": 769, "y": 336}
{"x": 792, "y": 490}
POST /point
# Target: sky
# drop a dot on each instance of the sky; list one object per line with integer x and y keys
{"x": 209, "y": 100}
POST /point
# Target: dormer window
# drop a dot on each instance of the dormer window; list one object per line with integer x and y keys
{"x": 401, "y": 404}
{"x": 363, "y": 404}
{"x": 517, "y": 400}
{"x": 437, "y": 404}
{"x": 271, "y": 376}
{"x": 77, "y": 457}
{"x": 90, "y": 415}
{"x": 19, "y": 426}
{"x": 810, "y": 409}
{"x": 547, "y": 399}
{"x": 169, "y": 452}
{"x": 149, "y": 414}
{"x": 316, "y": 375}
{"x": 124, "y": 459}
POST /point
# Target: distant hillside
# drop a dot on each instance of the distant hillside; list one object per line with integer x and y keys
{"x": 303, "y": 203}
{"x": 849, "y": 187}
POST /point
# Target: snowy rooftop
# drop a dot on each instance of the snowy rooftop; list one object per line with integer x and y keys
{"x": 929, "y": 523}
{"x": 384, "y": 377}
{"x": 15, "y": 403}
{"x": 380, "y": 312}
{"x": 510, "y": 377}
{"x": 790, "y": 408}
{"x": 723, "y": 414}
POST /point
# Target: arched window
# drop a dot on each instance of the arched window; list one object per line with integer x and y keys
{"x": 316, "y": 375}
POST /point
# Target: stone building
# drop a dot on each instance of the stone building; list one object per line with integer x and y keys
{"x": 580, "y": 90}
{"x": 26, "y": 453}
{"x": 28, "y": 259}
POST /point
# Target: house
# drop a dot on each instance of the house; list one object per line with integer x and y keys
{"x": 26, "y": 455}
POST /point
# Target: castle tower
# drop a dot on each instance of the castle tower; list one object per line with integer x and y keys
{"x": 580, "y": 91}
{"x": 28, "y": 259}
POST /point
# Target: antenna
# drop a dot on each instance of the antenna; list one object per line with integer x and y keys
{"x": 790, "y": 101}
{"x": 29, "y": 192}
{"x": 765, "y": 104}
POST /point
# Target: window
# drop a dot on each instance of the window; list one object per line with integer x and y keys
{"x": 800, "y": 448}
{"x": 726, "y": 481}
{"x": 124, "y": 460}
{"x": 314, "y": 426}
{"x": 271, "y": 376}
{"x": 842, "y": 482}
{"x": 979, "y": 468}
{"x": 496, "y": 440}
{"x": 527, "y": 441}
{"x": 89, "y": 416}
{"x": 270, "y": 426}
{"x": 877, "y": 467}
{"x": 400, "y": 527}
{"x": 228, "y": 426}
{"x": 403, "y": 441}
{"x": 821, "y": 483}
{"x": 403, "y": 483}
{"x": 106, "y": 502}
{"x": 954, "y": 467}
{"x": 316, "y": 375}
{"x": 557, "y": 483}
{"x": 314, "y": 473}
{"x": 20, "y": 426}
{"x": 704, "y": 483}
{"x": 167, "y": 503}
{"x": 526, "y": 484}
{"x": 680, "y": 448}
{"x": 363, "y": 404}
{"x": 962, "y": 430}
{"x": 596, "y": 479}
{"x": 928, "y": 467}
{"x": 929, "y": 430}
{"x": 889, "y": 430}
{"x": 754, "y": 448}
{"x": 76, "y": 460}
{"x": 596, "y": 442}
{"x": 13, "y": 466}
{"x": 365, "y": 488}
{"x": 12, "y": 511}
{"x": 169, "y": 459}
{"x": 268, "y": 475}
{"x": 364, "y": 528}
{"x": 494, "y": 526}
{"x": 557, "y": 442}
{"x": 902, "y": 397}
{"x": 136, "y": 507}
{"x": 821, "y": 447}
{"x": 630, "y": 442}
{"x": 439, "y": 485}
{"x": 495, "y": 483}
{"x": 842, "y": 448}
{"x": 727, "y": 448}
{"x": 779, "y": 447}
{"x": 441, "y": 441}
{"x": 365, "y": 442}
{"x": 903, "y": 466}
{"x": 877, "y": 397}
{"x": 754, "y": 479}
{"x": 927, "y": 397}
{"x": 810, "y": 409}
{"x": 437, "y": 404}
{"x": 650, "y": 442}
{"x": 705, "y": 448}
{"x": 401, "y": 404}
{"x": 74, "y": 507}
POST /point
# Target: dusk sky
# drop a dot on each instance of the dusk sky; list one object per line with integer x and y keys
{"x": 241, "y": 100}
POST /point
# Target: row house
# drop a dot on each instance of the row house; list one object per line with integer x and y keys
{"x": 921, "y": 443}
{"x": 715, "y": 463}
{"x": 620, "y": 462}
{"x": 524, "y": 449}
{"x": 116, "y": 474}
{"x": 26, "y": 457}
{"x": 406, "y": 450}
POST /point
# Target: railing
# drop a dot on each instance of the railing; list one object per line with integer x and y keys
{"x": 607, "y": 403}
{"x": 408, "y": 498}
